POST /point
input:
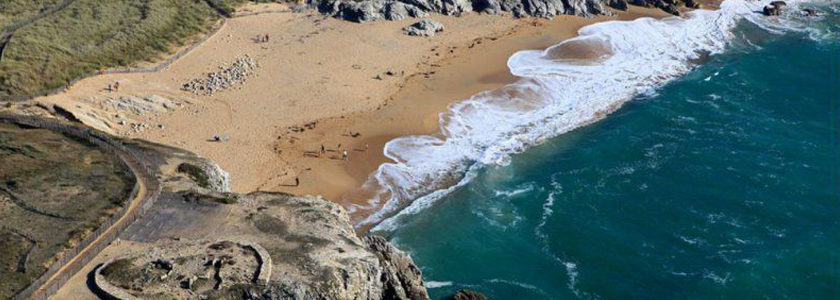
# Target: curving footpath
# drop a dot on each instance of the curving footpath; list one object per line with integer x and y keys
{"x": 147, "y": 190}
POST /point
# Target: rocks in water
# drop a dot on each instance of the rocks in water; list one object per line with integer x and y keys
{"x": 618, "y": 4}
{"x": 225, "y": 78}
{"x": 468, "y": 295}
{"x": 774, "y": 9}
{"x": 425, "y": 27}
{"x": 810, "y": 12}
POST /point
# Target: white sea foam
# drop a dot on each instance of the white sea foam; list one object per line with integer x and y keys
{"x": 519, "y": 284}
{"x": 437, "y": 284}
{"x": 552, "y": 97}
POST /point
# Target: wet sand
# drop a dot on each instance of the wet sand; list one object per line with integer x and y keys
{"x": 413, "y": 110}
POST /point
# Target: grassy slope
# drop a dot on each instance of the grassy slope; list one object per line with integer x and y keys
{"x": 18, "y": 10}
{"x": 92, "y": 34}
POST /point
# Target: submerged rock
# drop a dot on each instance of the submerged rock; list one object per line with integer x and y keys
{"x": 810, "y": 12}
{"x": 426, "y": 27}
{"x": 468, "y": 295}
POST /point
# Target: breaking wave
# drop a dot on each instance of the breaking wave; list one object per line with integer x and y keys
{"x": 568, "y": 85}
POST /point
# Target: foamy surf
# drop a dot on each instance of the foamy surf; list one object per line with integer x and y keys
{"x": 556, "y": 94}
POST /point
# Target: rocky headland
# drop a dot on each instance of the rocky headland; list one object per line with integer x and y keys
{"x": 195, "y": 240}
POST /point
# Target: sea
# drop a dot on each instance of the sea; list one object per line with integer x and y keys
{"x": 685, "y": 158}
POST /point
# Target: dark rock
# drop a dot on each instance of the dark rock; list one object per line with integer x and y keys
{"x": 810, "y": 12}
{"x": 618, "y": 4}
{"x": 468, "y": 295}
{"x": 671, "y": 9}
{"x": 487, "y": 6}
{"x": 692, "y": 4}
{"x": 774, "y": 9}
{"x": 642, "y": 3}
{"x": 426, "y": 27}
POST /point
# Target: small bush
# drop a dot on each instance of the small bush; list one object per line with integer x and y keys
{"x": 195, "y": 173}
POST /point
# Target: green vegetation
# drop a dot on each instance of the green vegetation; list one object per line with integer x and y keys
{"x": 226, "y": 200}
{"x": 88, "y": 35}
{"x": 121, "y": 272}
{"x": 195, "y": 173}
{"x": 12, "y": 11}
{"x": 13, "y": 250}
{"x": 54, "y": 192}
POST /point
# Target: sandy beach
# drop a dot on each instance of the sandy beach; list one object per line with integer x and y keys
{"x": 320, "y": 82}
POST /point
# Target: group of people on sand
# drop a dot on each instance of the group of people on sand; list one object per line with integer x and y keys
{"x": 262, "y": 38}
{"x": 114, "y": 87}
{"x": 345, "y": 153}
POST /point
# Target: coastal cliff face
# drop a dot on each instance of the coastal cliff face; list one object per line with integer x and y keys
{"x": 394, "y": 10}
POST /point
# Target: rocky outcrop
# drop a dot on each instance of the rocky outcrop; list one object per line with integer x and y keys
{"x": 392, "y": 10}
{"x": 401, "y": 277}
{"x": 774, "y": 9}
{"x": 423, "y": 28}
{"x": 301, "y": 247}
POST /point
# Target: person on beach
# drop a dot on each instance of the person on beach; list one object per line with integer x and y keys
{"x": 266, "y": 37}
{"x": 110, "y": 89}
{"x": 297, "y": 181}
{"x": 344, "y": 155}
{"x": 117, "y": 86}
{"x": 323, "y": 150}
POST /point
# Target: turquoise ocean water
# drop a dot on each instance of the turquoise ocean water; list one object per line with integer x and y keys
{"x": 724, "y": 183}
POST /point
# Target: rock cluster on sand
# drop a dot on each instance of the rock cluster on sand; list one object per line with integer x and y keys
{"x": 426, "y": 27}
{"x": 393, "y": 10}
{"x": 225, "y": 78}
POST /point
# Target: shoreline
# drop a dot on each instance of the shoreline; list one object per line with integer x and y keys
{"x": 414, "y": 110}
{"x": 303, "y": 81}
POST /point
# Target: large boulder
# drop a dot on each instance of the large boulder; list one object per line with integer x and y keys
{"x": 774, "y": 9}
